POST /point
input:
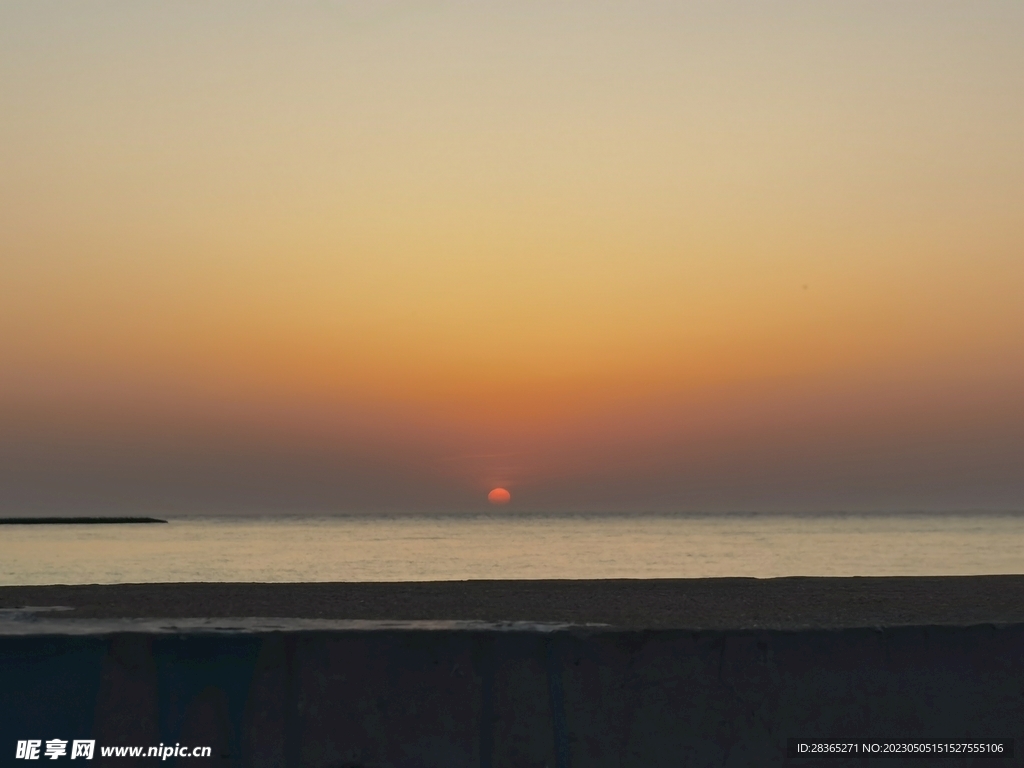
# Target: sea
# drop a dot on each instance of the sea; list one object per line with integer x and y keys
{"x": 421, "y": 547}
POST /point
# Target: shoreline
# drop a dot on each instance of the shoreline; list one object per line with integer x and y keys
{"x": 788, "y": 603}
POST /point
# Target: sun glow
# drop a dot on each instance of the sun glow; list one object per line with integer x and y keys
{"x": 499, "y": 496}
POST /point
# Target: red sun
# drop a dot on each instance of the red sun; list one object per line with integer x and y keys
{"x": 499, "y": 496}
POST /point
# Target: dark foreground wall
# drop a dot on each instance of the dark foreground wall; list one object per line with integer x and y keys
{"x": 500, "y": 697}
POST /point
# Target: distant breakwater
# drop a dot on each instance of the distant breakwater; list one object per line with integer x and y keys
{"x": 77, "y": 520}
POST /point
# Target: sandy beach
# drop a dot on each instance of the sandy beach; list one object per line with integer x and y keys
{"x": 719, "y": 604}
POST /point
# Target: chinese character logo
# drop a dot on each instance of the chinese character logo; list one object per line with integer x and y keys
{"x": 81, "y": 748}
{"x": 56, "y": 748}
{"x": 28, "y": 750}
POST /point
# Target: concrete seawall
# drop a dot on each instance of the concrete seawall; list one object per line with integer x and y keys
{"x": 334, "y": 693}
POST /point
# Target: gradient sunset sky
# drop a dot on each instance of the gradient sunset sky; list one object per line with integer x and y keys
{"x": 344, "y": 256}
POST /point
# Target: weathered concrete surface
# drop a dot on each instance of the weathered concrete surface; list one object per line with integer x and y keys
{"x": 508, "y": 696}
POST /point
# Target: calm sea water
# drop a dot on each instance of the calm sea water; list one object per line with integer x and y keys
{"x": 414, "y": 548}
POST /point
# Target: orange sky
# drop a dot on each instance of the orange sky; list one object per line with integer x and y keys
{"x": 362, "y": 255}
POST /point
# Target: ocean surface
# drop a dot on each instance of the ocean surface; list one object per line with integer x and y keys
{"x": 512, "y": 546}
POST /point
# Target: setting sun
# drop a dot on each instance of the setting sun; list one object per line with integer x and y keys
{"x": 499, "y": 496}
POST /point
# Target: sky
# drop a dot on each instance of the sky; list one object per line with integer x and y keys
{"x": 356, "y": 256}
